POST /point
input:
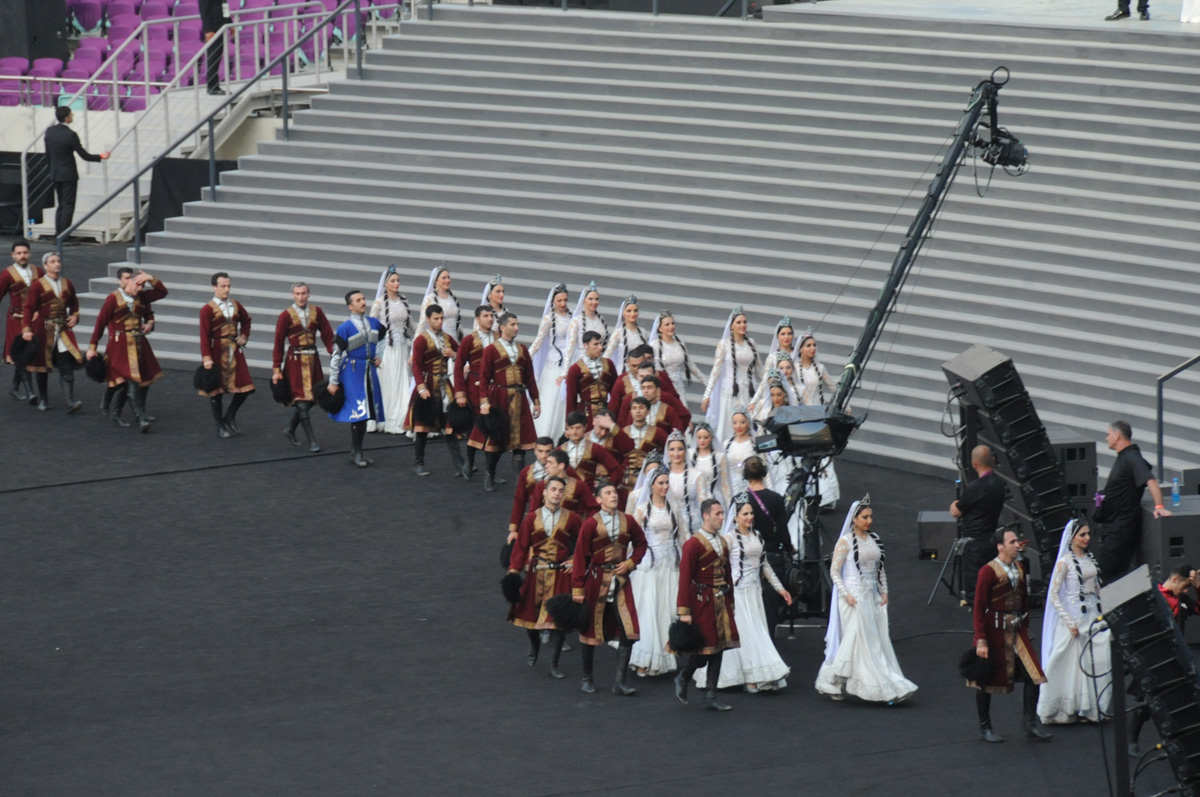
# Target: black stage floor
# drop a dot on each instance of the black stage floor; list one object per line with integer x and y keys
{"x": 186, "y": 615}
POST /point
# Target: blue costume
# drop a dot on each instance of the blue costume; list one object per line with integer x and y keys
{"x": 356, "y": 343}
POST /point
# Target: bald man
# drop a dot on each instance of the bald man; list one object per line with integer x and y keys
{"x": 978, "y": 512}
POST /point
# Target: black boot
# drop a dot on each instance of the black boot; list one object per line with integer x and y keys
{"x": 18, "y": 386}
{"x": 230, "y": 417}
{"x": 419, "y": 467}
{"x": 143, "y": 393}
{"x": 518, "y": 464}
{"x": 556, "y": 645}
{"x": 358, "y": 433}
{"x": 684, "y": 677}
{"x": 983, "y": 706}
{"x": 470, "y": 462}
{"x": 456, "y": 456}
{"x": 589, "y": 656}
{"x": 619, "y": 686}
{"x": 710, "y": 688}
{"x": 67, "y": 380}
{"x": 306, "y": 422}
{"x": 535, "y": 645}
{"x": 1030, "y": 723}
{"x": 489, "y": 479}
{"x": 43, "y": 389}
{"x": 138, "y": 412}
{"x": 289, "y": 431}
{"x": 30, "y": 390}
{"x": 109, "y": 392}
{"x": 217, "y": 405}
{"x": 117, "y": 406}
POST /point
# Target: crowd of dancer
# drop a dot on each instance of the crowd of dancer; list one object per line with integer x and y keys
{"x": 645, "y": 514}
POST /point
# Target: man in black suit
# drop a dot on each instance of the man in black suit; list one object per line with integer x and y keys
{"x": 213, "y": 19}
{"x": 62, "y": 145}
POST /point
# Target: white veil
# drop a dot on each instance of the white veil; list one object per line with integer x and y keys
{"x": 431, "y": 288}
{"x": 379, "y": 291}
{"x": 543, "y": 353}
{"x": 1049, "y": 623}
{"x": 487, "y": 289}
{"x": 713, "y": 416}
{"x": 640, "y": 493}
{"x": 833, "y": 636}
{"x": 618, "y": 355}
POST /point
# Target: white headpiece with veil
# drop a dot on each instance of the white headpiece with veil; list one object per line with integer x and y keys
{"x": 431, "y": 288}
{"x": 487, "y": 289}
{"x": 543, "y": 353}
{"x": 725, "y": 377}
{"x": 786, "y": 321}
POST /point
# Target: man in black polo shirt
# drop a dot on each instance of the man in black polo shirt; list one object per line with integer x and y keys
{"x": 770, "y": 520}
{"x": 1120, "y": 513}
{"x": 978, "y": 512}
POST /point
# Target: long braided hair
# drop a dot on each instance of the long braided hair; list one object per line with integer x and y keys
{"x": 687, "y": 363}
{"x": 740, "y": 500}
{"x": 712, "y": 452}
{"x": 733, "y": 357}
{"x": 1079, "y": 568}
{"x": 816, "y": 366}
{"x": 560, "y": 288}
{"x": 873, "y": 536}
{"x": 676, "y": 437}
{"x": 649, "y": 505}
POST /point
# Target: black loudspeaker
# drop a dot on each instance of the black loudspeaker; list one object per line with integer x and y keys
{"x": 33, "y": 29}
{"x": 1153, "y": 651}
{"x": 935, "y": 534}
{"x": 1009, "y": 423}
{"x": 1171, "y": 541}
{"x": 988, "y": 378}
{"x": 1024, "y": 459}
{"x": 1076, "y": 454}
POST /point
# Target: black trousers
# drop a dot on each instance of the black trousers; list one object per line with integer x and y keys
{"x": 1119, "y": 543}
{"x": 1143, "y": 5}
{"x": 64, "y": 196}
{"x": 976, "y": 553}
{"x": 215, "y": 53}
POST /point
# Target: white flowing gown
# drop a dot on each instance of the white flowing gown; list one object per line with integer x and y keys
{"x": 859, "y": 658}
{"x": 553, "y": 334}
{"x": 1069, "y": 692}
{"x": 395, "y": 376}
{"x": 655, "y": 587}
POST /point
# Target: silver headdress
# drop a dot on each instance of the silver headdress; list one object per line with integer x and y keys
{"x": 864, "y": 501}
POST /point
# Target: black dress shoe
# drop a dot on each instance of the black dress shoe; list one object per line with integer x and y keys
{"x": 223, "y": 432}
{"x": 489, "y": 483}
{"x": 1034, "y": 730}
{"x": 681, "y": 687}
{"x": 1118, "y": 14}
{"x": 1144, "y": 15}
{"x": 216, "y": 92}
{"x": 41, "y": 405}
{"x": 988, "y": 735}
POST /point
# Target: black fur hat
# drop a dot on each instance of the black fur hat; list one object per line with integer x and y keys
{"x": 458, "y": 418}
{"x": 684, "y": 637}
{"x": 506, "y": 554}
{"x": 566, "y": 613}
{"x": 281, "y": 391}
{"x": 973, "y": 668}
{"x": 95, "y": 368}
{"x": 330, "y": 402}
{"x": 206, "y": 380}
{"x": 510, "y": 586}
{"x": 494, "y": 425}
{"x": 23, "y": 351}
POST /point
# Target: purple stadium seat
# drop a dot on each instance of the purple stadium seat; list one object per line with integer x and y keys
{"x": 93, "y": 44}
{"x": 10, "y": 85}
{"x": 86, "y": 59}
{"x": 158, "y": 31}
{"x": 48, "y": 63}
{"x": 386, "y": 13}
{"x": 42, "y": 92}
{"x": 186, "y": 8}
{"x": 155, "y": 9}
{"x": 120, "y": 8}
{"x": 88, "y": 14}
{"x": 14, "y": 62}
{"x": 157, "y": 63}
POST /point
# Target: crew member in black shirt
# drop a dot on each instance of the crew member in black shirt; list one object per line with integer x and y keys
{"x": 978, "y": 512}
{"x": 62, "y": 145}
{"x": 770, "y": 521}
{"x": 1120, "y": 514}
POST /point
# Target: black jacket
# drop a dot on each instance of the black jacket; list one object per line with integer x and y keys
{"x": 210, "y": 15}
{"x": 62, "y": 145}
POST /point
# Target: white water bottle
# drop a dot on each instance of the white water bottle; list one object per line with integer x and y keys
{"x": 1175, "y": 499}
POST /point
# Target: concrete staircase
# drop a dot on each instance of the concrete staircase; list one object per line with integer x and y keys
{"x": 701, "y": 164}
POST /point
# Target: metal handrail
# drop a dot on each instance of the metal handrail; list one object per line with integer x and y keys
{"x": 208, "y": 120}
{"x": 1162, "y": 380}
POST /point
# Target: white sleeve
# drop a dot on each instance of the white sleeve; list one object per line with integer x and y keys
{"x": 569, "y": 357}
{"x": 543, "y": 330}
{"x": 718, "y": 364}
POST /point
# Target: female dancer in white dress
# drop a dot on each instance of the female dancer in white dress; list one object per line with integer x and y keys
{"x": 493, "y": 296}
{"x": 735, "y": 375}
{"x": 784, "y": 340}
{"x": 656, "y": 587}
{"x": 671, "y": 355}
{"x": 818, "y": 388}
{"x": 739, "y": 448}
{"x": 438, "y": 292}
{"x": 1069, "y": 638}
{"x": 765, "y": 398}
{"x": 779, "y": 465}
{"x": 395, "y": 376}
{"x": 628, "y": 335}
{"x": 681, "y": 481}
{"x": 549, "y": 352}
{"x": 586, "y": 318}
{"x": 756, "y": 664}
{"x": 859, "y": 659}
{"x": 707, "y": 461}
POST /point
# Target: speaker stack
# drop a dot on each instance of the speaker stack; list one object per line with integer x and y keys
{"x": 996, "y": 411}
{"x": 1154, "y": 653}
